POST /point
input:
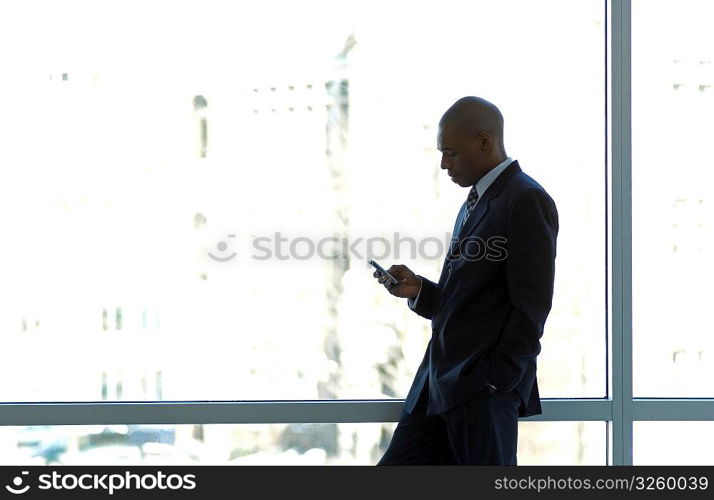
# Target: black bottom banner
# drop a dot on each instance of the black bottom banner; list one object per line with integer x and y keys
{"x": 207, "y": 482}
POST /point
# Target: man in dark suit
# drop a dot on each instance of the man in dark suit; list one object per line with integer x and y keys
{"x": 488, "y": 308}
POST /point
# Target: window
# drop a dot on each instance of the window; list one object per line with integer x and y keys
{"x": 541, "y": 443}
{"x": 168, "y": 199}
{"x": 673, "y": 210}
{"x": 188, "y": 216}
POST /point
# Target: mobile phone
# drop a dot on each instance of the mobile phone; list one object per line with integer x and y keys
{"x": 382, "y": 271}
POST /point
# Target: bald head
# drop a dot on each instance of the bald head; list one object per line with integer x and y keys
{"x": 470, "y": 139}
{"x": 471, "y": 116}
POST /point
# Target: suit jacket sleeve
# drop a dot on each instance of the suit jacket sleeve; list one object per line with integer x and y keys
{"x": 424, "y": 303}
{"x": 530, "y": 268}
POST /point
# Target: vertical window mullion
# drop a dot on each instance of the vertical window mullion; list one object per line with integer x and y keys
{"x": 621, "y": 225}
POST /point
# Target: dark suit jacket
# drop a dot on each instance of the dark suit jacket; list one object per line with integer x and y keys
{"x": 490, "y": 305}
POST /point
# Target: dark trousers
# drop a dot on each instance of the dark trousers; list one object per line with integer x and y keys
{"x": 481, "y": 431}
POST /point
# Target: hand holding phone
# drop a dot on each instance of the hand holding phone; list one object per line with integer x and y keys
{"x": 401, "y": 282}
{"x": 382, "y": 272}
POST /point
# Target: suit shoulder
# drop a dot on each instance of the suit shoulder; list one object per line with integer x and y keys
{"x": 524, "y": 186}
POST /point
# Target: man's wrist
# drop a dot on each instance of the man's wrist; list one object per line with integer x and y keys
{"x": 419, "y": 292}
{"x": 412, "y": 301}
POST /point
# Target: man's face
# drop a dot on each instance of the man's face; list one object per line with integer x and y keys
{"x": 462, "y": 156}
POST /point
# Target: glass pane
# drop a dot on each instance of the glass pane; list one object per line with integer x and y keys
{"x": 673, "y": 443}
{"x": 673, "y": 207}
{"x": 540, "y": 443}
{"x": 245, "y": 444}
{"x": 562, "y": 443}
{"x": 173, "y": 200}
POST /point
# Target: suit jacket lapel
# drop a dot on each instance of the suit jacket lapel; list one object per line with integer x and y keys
{"x": 457, "y": 228}
{"x": 481, "y": 207}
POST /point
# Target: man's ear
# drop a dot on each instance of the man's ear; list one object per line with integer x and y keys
{"x": 485, "y": 141}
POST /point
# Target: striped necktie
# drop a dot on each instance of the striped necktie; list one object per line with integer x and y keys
{"x": 470, "y": 204}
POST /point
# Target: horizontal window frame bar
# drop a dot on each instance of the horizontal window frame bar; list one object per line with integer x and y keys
{"x": 316, "y": 411}
{"x": 200, "y": 412}
{"x": 673, "y": 409}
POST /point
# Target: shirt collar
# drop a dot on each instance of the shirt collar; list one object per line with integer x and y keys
{"x": 484, "y": 182}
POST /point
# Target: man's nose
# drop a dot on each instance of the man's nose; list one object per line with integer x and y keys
{"x": 445, "y": 162}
